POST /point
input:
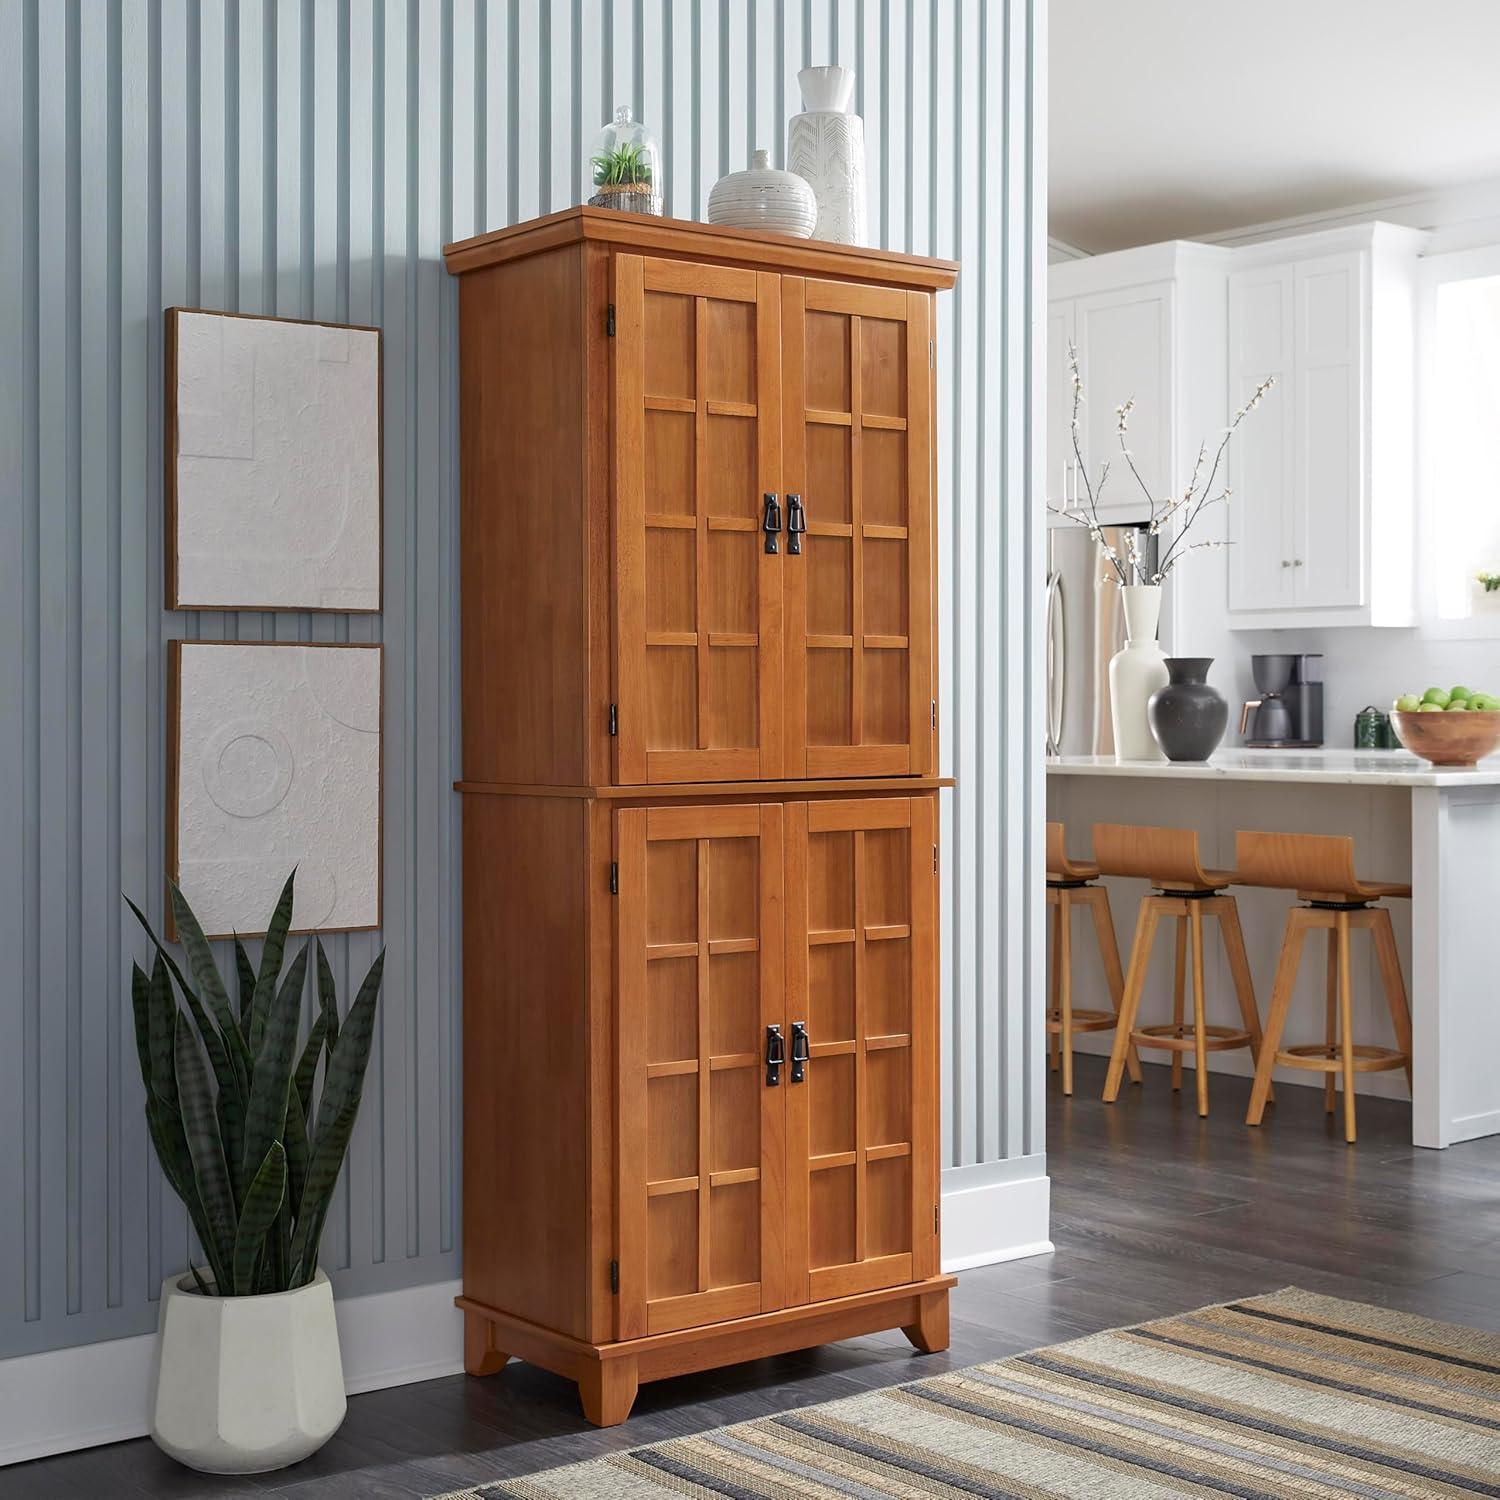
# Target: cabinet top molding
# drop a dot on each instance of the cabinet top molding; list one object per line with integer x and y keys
{"x": 748, "y": 247}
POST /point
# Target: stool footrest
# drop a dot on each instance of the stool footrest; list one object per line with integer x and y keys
{"x": 1320, "y": 1057}
{"x": 1180, "y": 1038}
{"x": 1084, "y": 1020}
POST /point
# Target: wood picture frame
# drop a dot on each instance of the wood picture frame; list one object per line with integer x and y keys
{"x": 175, "y": 786}
{"x": 178, "y": 597}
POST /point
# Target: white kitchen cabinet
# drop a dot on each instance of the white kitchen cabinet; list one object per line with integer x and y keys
{"x": 1125, "y": 352}
{"x": 1322, "y": 523}
{"x": 1148, "y": 325}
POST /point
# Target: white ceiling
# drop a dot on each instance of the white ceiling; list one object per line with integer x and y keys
{"x": 1175, "y": 118}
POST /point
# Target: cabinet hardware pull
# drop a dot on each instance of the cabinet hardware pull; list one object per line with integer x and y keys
{"x": 775, "y": 1056}
{"x": 801, "y": 1051}
{"x": 772, "y": 522}
{"x": 796, "y": 524}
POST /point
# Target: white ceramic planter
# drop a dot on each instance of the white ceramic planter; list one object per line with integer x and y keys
{"x": 1135, "y": 672}
{"x": 246, "y": 1384}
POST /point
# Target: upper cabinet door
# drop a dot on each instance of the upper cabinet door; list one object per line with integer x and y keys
{"x": 697, "y": 414}
{"x": 1125, "y": 352}
{"x": 1328, "y": 536}
{"x": 1262, "y": 458}
{"x": 701, "y": 1132}
{"x": 862, "y": 1119}
{"x": 858, "y": 466}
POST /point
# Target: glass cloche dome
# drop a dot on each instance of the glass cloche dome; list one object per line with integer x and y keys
{"x": 625, "y": 166}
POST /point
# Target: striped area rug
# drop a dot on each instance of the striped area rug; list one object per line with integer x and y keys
{"x": 1284, "y": 1395}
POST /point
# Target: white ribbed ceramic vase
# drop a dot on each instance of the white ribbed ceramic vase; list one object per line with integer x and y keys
{"x": 764, "y": 198}
{"x": 1135, "y": 672}
{"x": 826, "y": 146}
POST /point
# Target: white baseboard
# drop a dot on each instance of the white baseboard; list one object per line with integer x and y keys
{"x": 64, "y": 1399}
{"x": 995, "y": 1211}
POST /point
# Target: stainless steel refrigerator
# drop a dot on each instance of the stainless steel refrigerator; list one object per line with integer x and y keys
{"x": 1085, "y": 627}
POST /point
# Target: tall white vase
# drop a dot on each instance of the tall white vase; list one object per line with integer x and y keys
{"x": 1135, "y": 672}
{"x": 826, "y": 146}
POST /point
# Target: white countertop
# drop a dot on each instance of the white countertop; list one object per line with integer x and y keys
{"x": 1338, "y": 767}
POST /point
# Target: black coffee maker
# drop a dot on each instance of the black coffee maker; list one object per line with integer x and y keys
{"x": 1288, "y": 715}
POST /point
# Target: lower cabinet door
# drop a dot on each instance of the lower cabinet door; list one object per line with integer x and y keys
{"x": 700, "y": 956}
{"x": 862, "y": 1119}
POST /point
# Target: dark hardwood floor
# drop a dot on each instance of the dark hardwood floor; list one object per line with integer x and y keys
{"x": 1154, "y": 1212}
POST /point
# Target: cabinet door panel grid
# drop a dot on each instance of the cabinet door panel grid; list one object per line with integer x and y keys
{"x": 698, "y": 603}
{"x": 858, "y": 468}
{"x": 700, "y": 981}
{"x": 862, "y": 1123}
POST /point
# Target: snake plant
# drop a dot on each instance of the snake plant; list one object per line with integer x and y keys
{"x": 230, "y": 1097}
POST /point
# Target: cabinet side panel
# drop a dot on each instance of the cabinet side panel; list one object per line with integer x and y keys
{"x": 522, "y": 485}
{"x": 526, "y": 1058}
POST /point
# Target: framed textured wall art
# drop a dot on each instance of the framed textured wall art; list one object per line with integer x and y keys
{"x": 273, "y": 463}
{"x": 275, "y": 761}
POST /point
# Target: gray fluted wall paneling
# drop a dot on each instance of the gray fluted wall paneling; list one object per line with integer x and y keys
{"x": 310, "y": 158}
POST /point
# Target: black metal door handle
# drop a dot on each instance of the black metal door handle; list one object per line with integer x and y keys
{"x": 801, "y": 1051}
{"x": 772, "y": 522}
{"x": 796, "y": 524}
{"x": 775, "y": 1056}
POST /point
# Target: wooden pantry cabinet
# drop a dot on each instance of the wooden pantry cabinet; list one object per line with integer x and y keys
{"x": 699, "y": 778}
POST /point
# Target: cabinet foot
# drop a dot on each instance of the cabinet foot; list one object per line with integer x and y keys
{"x": 481, "y": 1357}
{"x": 930, "y": 1332}
{"x": 607, "y": 1389}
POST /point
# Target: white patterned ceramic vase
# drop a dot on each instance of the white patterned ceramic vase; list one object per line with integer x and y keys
{"x": 764, "y": 198}
{"x": 826, "y": 146}
{"x": 1135, "y": 672}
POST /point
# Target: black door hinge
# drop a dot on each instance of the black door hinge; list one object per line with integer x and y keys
{"x": 936, "y": 1212}
{"x": 609, "y": 321}
{"x": 614, "y": 718}
{"x": 614, "y": 879}
{"x": 614, "y": 1276}
{"x": 934, "y": 713}
{"x": 934, "y": 859}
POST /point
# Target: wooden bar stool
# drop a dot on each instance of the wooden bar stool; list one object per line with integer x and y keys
{"x": 1320, "y": 868}
{"x": 1168, "y": 858}
{"x": 1070, "y": 883}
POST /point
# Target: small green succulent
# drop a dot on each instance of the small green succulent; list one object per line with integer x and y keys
{"x": 1491, "y": 581}
{"x": 624, "y": 164}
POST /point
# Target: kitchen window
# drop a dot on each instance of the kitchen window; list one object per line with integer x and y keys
{"x": 1459, "y": 517}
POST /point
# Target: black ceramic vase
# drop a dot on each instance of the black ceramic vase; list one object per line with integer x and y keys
{"x": 1187, "y": 717}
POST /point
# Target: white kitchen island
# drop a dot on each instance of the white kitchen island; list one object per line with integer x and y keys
{"x": 1439, "y": 829}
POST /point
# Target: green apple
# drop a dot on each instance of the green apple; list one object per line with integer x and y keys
{"x": 1460, "y": 692}
{"x": 1436, "y": 696}
{"x": 1458, "y": 705}
{"x": 1431, "y": 708}
{"x": 1407, "y": 703}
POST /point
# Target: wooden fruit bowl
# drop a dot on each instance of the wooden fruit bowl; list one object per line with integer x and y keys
{"x": 1459, "y": 739}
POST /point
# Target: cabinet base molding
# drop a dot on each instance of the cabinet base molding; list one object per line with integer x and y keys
{"x": 608, "y": 1375}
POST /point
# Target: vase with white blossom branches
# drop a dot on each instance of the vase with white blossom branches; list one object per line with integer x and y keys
{"x": 1139, "y": 669}
{"x": 1173, "y": 514}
